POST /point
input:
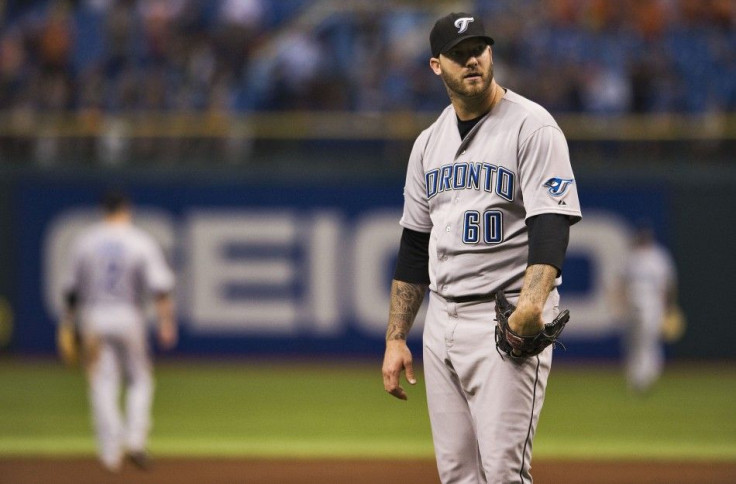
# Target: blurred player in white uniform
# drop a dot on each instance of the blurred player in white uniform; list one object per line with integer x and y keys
{"x": 114, "y": 267}
{"x": 649, "y": 284}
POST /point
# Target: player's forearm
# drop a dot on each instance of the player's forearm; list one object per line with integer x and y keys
{"x": 168, "y": 332}
{"x": 406, "y": 298}
{"x": 539, "y": 280}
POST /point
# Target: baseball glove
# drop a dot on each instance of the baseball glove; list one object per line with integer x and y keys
{"x": 69, "y": 344}
{"x": 517, "y": 346}
{"x": 673, "y": 324}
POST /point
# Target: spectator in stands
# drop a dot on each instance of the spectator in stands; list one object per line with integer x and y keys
{"x": 238, "y": 56}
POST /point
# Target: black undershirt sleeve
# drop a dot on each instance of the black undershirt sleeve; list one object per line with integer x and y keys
{"x": 549, "y": 234}
{"x": 412, "y": 264}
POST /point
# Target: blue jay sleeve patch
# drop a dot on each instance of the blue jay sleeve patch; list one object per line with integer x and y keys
{"x": 557, "y": 187}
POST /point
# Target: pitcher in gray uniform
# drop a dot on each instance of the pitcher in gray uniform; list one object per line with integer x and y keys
{"x": 488, "y": 202}
{"x": 113, "y": 267}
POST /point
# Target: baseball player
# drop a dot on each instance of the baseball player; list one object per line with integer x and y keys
{"x": 648, "y": 286}
{"x": 113, "y": 266}
{"x": 488, "y": 202}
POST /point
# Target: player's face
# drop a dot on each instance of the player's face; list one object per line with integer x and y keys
{"x": 467, "y": 68}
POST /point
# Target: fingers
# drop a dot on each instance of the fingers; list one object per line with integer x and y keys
{"x": 397, "y": 359}
{"x": 399, "y": 393}
{"x": 391, "y": 382}
{"x": 395, "y": 388}
{"x": 168, "y": 336}
{"x": 409, "y": 367}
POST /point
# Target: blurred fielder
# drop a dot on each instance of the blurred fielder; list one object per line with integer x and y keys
{"x": 649, "y": 290}
{"x": 113, "y": 267}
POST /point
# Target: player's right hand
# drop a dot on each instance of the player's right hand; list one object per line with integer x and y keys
{"x": 396, "y": 359}
{"x": 168, "y": 334}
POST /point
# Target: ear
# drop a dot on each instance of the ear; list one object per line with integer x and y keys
{"x": 434, "y": 63}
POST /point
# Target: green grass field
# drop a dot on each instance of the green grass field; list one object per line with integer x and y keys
{"x": 245, "y": 408}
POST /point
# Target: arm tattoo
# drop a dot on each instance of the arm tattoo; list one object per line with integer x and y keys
{"x": 406, "y": 298}
{"x": 538, "y": 282}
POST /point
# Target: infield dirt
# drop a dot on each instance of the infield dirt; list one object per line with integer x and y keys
{"x": 273, "y": 471}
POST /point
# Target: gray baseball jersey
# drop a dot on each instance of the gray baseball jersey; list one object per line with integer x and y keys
{"x": 112, "y": 269}
{"x": 474, "y": 195}
{"x": 648, "y": 273}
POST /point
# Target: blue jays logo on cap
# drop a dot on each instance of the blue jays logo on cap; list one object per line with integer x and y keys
{"x": 462, "y": 24}
{"x": 558, "y": 186}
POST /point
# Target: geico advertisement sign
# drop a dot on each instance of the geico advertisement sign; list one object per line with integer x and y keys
{"x": 291, "y": 273}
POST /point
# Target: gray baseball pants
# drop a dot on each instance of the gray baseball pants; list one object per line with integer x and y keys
{"x": 483, "y": 408}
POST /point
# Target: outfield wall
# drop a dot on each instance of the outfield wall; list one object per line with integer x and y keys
{"x": 269, "y": 267}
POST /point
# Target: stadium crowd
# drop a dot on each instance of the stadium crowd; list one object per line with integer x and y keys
{"x": 590, "y": 56}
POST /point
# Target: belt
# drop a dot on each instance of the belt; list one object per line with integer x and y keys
{"x": 470, "y": 298}
{"x": 474, "y": 297}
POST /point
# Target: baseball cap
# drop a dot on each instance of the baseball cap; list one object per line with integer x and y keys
{"x": 452, "y": 29}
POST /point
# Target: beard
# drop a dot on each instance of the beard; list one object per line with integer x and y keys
{"x": 456, "y": 86}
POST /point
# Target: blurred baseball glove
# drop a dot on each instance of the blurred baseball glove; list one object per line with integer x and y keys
{"x": 68, "y": 343}
{"x": 517, "y": 346}
{"x": 673, "y": 324}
